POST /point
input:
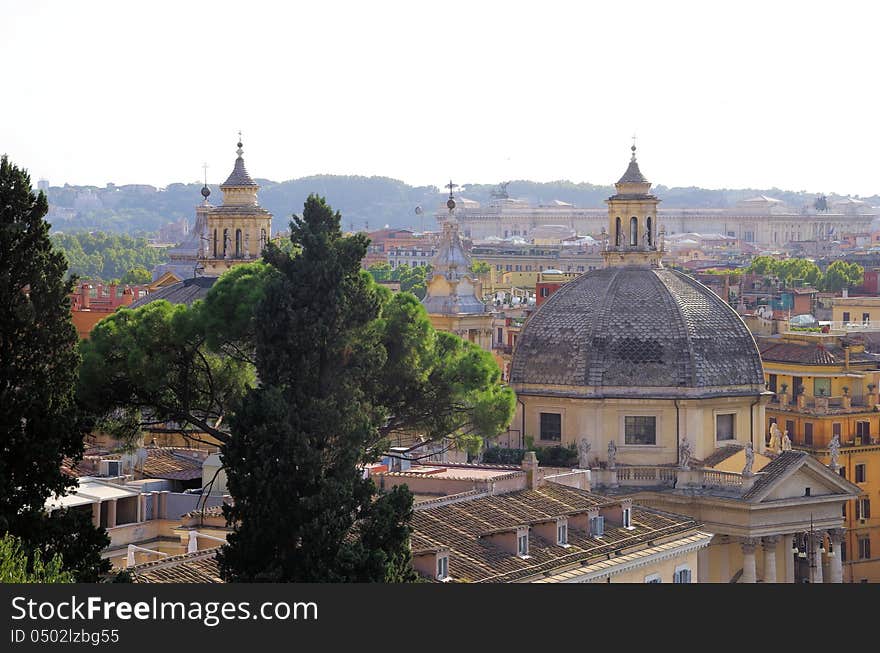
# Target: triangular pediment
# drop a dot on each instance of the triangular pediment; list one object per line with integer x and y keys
{"x": 789, "y": 476}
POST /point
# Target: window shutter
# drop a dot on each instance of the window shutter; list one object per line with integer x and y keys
{"x": 866, "y": 511}
{"x": 858, "y": 508}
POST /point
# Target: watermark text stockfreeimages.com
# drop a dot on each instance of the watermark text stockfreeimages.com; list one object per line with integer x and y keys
{"x": 209, "y": 613}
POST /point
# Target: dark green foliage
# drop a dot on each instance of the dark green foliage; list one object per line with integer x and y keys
{"x": 104, "y": 256}
{"x": 136, "y": 277}
{"x": 339, "y": 370}
{"x": 411, "y": 279}
{"x": 40, "y": 424}
{"x": 841, "y": 274}
{"x": 19, "y": 566}
{"x": 557, "y": 456}
{"x": 553, "y": 456}
{"x": 503, "y": 456}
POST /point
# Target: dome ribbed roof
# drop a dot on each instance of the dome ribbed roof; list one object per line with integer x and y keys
{"x": 620, "y": 330}
{"x": 633, "y": 175}
{"x": 239, "y": 176}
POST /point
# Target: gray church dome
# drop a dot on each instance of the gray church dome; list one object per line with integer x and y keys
{"x": 636, "y": 331}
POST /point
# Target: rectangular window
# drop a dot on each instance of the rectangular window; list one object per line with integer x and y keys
{"x": 772, "y": 382}
{"x": 789, "y": 426}
{"x": 551, "y": 426}
{"x": 846, "y": 316}
{"x": 863, "y": 508}
{"x": 863, "y": 430}
{"x": 860, "y": 473}
{"x": 522, "y": 546}
{"x": 683, "y": 576}
{"x": 724, "y": 427}
{"x": 545, "y": 292}
{"x": 821, "y": 387}
{"x": 640, "y": 429}
{"x": 562, "y": 534}
{"x": 866, "y": 317}
{"x": 835, "y": 429}
{"x": 864, "y": 548}
{"x": 808, "y": 434}
{"x": 500, "y": 340}
{"x": 442, "y": 567}
{"x": 597, "y": 526}
{"x": 797, "y": 384}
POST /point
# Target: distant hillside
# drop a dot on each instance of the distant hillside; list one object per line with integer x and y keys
{"x": 365, "y": 202}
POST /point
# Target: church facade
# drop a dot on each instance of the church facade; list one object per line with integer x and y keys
{"x": 660, "y": 385}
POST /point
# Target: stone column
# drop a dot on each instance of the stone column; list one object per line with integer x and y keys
{"x": 787, "y": 544}
{"x": 836, "y": 561}
{"x": 771, "y": 545}
{"x": 111, "y": 513}
{"x": 816, "y": 563}
{"x": 750, "y": 573}
{"x": 96, "y": 514}
{"x": 724, "y": 561}
{"x": 703, "y": 565}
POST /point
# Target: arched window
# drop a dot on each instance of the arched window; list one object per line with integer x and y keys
{"x": 633, "y": 231}
{"x": 617, "y": 233}
{"x": 225, "y": 242}
{"x": 649, "y": 232}
{"x": 215, "y": 243}
{"x": 238, "y": 243}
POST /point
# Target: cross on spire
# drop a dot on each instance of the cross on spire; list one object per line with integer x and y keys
{"x": 450, "y": 186}
{"x": 205, "y": 168}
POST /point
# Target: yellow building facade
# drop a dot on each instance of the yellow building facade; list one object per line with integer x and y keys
{"x": 825, "y": 388}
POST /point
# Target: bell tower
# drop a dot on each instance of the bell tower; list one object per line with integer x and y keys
{"x": 633, "y": 236}
{"x": 238, "y": 229}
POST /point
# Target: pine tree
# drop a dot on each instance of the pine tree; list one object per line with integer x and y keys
{"x": 39, "y": 421}
{"x": 303, "y": 510}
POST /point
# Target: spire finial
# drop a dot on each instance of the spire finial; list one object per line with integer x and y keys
{"x": 239, "y": 151}
{"x": 205, "y": 190}
{"x": 450, "y": 203}
{"x": 633, "y": 148}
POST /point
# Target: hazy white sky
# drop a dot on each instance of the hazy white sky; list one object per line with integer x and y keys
{"x": 731, "y": 95}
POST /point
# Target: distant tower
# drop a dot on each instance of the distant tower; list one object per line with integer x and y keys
{"x": 452, "y": 296}
{"x": 238, "y": 229}
{"x": 43, "y": 185}
{"x": 632, "y": 221}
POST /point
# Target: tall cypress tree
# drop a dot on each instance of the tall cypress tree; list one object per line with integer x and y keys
{"x": 39, "y": 421}
{"x": 303, "y": 511}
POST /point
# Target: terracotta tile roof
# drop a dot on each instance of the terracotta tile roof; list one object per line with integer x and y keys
{"x": 167, "y": 464}
{"x": 780, "y": 466}
{"x": 719, "y": 455}
{"x": 458, "y": 527}
{"x": 198, "y": 567}
{"x": 775, "y": 351}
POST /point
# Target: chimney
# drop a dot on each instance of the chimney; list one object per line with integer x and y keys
{"x": 845, "y": 293}
{"x": 112, "y": 290}
{"x": 85, "y": 294}
{"x": 99, "y": 292}
{"x": 127, "y": 297}
{"x": 530, "y": 467}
